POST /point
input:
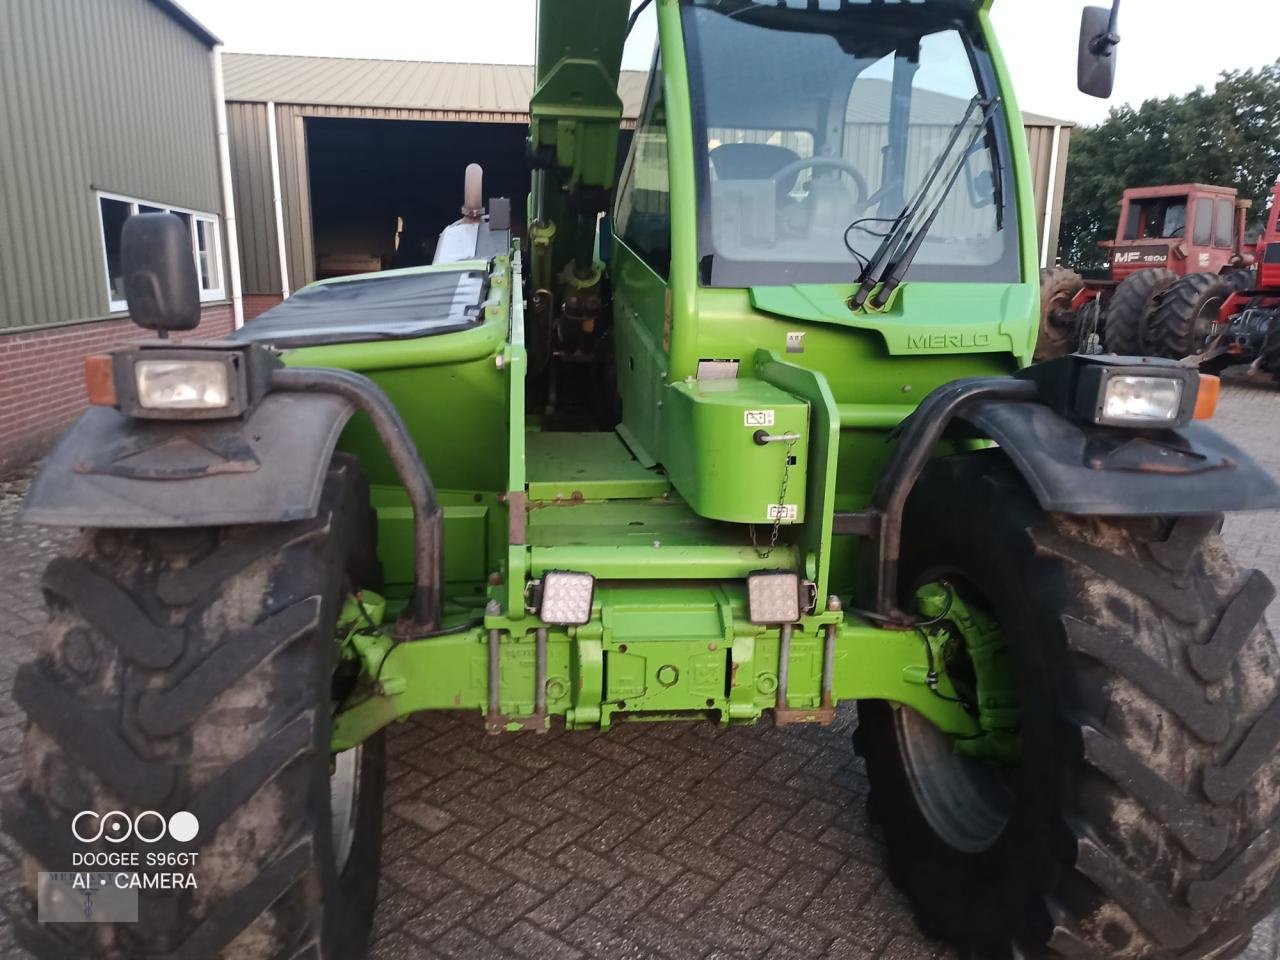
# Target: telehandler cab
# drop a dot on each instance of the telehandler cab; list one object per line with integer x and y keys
{"x": 755, "y": 432}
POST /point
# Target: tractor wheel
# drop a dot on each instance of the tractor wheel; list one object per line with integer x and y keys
{"x": 1130, "y": 308}
{"x": 1143, "y": 819}
{"x": 1058, "y": 286}
{"x": 1241, "y": 281}
{"x": 1183, "y": 323}
{"x": 193, "y": 670}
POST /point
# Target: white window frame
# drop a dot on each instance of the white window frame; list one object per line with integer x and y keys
{"x": 206, "y": 296}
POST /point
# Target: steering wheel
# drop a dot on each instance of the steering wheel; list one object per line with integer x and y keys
{"x": 781, "y": 175}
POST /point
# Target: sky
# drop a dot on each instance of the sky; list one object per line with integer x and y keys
{"x": 1168, "y": 46}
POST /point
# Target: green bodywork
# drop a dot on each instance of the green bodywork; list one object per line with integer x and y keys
{"x": 671, "y": 512}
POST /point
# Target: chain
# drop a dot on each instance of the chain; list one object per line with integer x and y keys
{"x": 777, "y": 515}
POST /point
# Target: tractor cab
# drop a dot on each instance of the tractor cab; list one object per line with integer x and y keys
{"x": 1187, "y": 228}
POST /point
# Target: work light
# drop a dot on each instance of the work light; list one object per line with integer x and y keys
{"x": 566, "y": 597}
{"x": 773, "y": 598}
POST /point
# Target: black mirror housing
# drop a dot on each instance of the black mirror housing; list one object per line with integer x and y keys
{"x": 159, "y": 272}
{"x": 1096, "y": 65}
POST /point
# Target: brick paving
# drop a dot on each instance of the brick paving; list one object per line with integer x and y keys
{"x": 664, "y": 841}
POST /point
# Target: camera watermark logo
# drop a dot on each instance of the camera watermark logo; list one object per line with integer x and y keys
{"x": 148, "y": 826}
{"x": 105, "y": 880}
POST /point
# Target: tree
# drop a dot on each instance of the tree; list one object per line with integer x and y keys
{"x": 1229, "y": 136}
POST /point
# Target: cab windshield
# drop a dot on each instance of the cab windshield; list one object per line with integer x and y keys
{"x": 820, "y": 123}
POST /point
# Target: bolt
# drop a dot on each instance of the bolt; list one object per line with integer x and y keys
{"x": 833, "y": 603}
{"x": 657, "y": 544}
{"x": 492, "y": 608}
{"x": 499, "y": 361}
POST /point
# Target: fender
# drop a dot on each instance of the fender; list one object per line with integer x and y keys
{"x": 1102, "y": 471}
{"x": 110, "y": 470}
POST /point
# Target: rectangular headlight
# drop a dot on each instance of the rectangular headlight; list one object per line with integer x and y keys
{"x": 182, "y": 384}
{"x": 1154, "y": 395}
{"x": 566, "y": 597}
{"x": 1156, "y": 400}
{"x": 213, "y": 381}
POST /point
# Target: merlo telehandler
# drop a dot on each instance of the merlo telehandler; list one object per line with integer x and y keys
{"x": 752, "y": 431}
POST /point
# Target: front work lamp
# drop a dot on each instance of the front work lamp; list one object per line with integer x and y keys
{"x": 565, "y": 597}
{"x": 773, "y": 598}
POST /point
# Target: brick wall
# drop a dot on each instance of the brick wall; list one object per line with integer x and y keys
{"x": 256, "y": 303}
{"x": 42, "y": 376}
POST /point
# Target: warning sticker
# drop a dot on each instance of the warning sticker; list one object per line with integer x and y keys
{"x": 782, "y": 511}
{"x": 757, "y": 418}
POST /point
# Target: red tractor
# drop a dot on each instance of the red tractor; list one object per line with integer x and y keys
{"x": 1165, "y": 233}
{"x": 1220, "y": 323}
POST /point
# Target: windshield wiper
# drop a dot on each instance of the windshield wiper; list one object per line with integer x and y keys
{"x": 894, "y": 255}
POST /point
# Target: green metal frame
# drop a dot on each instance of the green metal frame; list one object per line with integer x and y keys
{"x": 669, "y": 634}
{"x": 651, "y": 652}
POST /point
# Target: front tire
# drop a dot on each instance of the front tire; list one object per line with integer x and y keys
{"x": 1144, "y": 818}
{"x": 192, "y": 670}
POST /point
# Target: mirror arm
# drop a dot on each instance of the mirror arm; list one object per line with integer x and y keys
{"x": 1104, "y": 43}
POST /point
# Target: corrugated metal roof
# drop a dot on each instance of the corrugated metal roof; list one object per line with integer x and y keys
{"x": 188, "y": 22}
{"x": 487, "y": 88}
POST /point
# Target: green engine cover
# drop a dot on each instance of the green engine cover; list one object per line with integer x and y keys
{"x": 715, "y": 461}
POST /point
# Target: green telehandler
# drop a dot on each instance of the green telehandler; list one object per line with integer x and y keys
{"x": 745, "y": 425}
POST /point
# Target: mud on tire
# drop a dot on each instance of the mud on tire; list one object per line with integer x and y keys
{"x": 192, "y": 670}
{"x": 1144, "y": 819}
{"x": 1058, "y": 327}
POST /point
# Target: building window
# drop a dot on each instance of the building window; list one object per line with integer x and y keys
{"x": 206, "y": 245}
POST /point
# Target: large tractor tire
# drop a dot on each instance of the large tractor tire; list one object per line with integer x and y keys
{"x": 1129, "y": 312}
{"x": 194, "y": 671}
{"x": 1182, "y": 325}
{"x": 1143, "y": 820}
{"x": 1243, "y": 280}
{"x": 1058, "y": 287}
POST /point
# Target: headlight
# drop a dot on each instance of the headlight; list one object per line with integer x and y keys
{"x": 215, "y": 381}
{"x": 1134, "y": 392}
{"x": 182, "y": 384}
{"x": 1134, "y": 400}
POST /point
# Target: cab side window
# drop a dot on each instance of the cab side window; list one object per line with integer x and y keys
{"x": 1224, "y": 225}
{"x": 643, "y": 213}
{"x": 1204, "y": 222}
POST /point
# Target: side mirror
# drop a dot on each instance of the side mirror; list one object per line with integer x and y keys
{"x": 159, "y": 272}
{"x": 1096, "y": 66}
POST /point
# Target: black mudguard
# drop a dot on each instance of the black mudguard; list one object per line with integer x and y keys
{"x": 1101, "y": 471}
{"x": 110, "y": 470}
